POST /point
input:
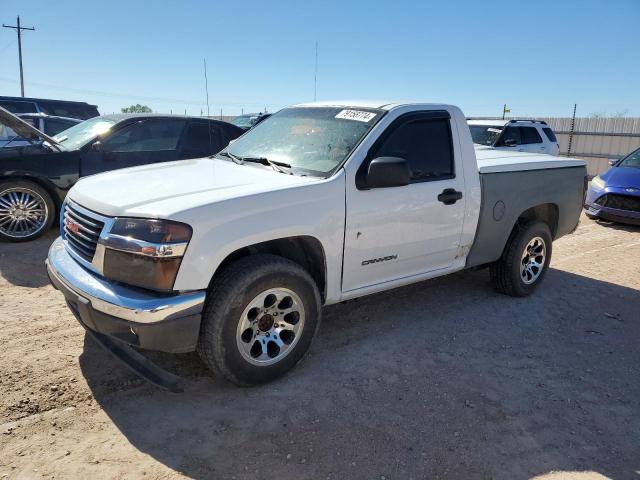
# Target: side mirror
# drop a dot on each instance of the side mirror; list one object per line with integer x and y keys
{"x": 96, "y": 146}
{"x": 509, "y": 142}
{"x": 612, "y": 162}
{"x": 384, "y": 172}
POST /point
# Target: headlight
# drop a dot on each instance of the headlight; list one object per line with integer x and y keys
{"x": 145, "y": 253}
{"x": 598, "y": 183}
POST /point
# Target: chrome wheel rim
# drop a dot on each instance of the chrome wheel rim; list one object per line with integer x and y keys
{"x": 270, "y": 326}
{"x": 23, "y": 212}
{"x": 533, "y": 259}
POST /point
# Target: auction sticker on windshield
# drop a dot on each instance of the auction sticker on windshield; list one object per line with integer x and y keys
{"x": 357, "y": 115}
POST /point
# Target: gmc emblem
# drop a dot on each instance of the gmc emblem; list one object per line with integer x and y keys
{"x": 71, "y": 225}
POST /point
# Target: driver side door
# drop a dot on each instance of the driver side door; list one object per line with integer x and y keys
{"x": 402, "y": 231}
{"x": 142, "y": 142}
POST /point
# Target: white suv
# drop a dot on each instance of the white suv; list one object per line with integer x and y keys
{"x": 520, "y": 135}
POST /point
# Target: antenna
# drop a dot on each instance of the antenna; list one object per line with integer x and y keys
{"x": 315, "y": 77}
{"x": 206, "y": 84}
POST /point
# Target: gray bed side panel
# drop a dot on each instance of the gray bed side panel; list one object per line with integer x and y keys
{"x": 519, "y": 191}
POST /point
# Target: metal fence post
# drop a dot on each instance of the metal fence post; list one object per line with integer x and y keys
{"x": 573, "y": 124}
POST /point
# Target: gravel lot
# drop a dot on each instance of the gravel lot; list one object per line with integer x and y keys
{"x": 443, "y": 379}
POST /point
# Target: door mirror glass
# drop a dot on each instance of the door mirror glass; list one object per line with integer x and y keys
{"x": 612, "y": 162}
{"x": 509, "y": 142}
{"x": 384, "y": 172}
{"x": 96, "y": 146}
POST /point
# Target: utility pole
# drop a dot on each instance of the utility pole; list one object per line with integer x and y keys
{"x": 19, "y": 29}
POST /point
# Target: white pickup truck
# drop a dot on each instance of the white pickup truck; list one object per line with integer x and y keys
{"x": 235, "y": 255}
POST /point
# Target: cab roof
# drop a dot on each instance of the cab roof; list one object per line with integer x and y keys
{"x": 379, "y": 104}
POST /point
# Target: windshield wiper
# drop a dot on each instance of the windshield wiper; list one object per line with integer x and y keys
{"x": 277, "y": 166}
{"x": 233, "y": 157}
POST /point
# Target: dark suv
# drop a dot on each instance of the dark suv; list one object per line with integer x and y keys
{"x": 57, "y": 108}
{"x": 34, "y": 179}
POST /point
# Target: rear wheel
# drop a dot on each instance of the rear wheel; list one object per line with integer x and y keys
{"x": 525, "y": 260}
{"x": 261, "y": 316}
{"x": 26, "y": 210}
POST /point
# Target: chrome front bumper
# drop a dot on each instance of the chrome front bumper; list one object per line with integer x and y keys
{"x": 141, "y": 318}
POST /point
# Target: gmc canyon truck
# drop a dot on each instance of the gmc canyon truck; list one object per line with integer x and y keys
{"x": 234, "y": 255}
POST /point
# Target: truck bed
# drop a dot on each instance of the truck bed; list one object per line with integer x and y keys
{"x": 514, "y": 182}
{"x": 494, "y": 161}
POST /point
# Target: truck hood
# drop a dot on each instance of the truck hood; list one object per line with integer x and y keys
{"x": 622, "y": 177}
{"x": 164, "y": 189}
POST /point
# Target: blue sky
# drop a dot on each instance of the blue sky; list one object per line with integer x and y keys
{"x": 538, "y": 56}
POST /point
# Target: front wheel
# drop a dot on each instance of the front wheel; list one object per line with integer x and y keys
{"x": 26, "y": 210}
{"x": 525, "y": 260}
{"x": 260, "y": 318}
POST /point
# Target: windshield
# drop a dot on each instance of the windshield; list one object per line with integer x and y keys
{"x": 7, "y": 134}
{"x": 78, "y": 135}
{"x": 245, "y": 121}
{"x": 484, "y": 134}
{"x": 312, "y": 140}
{"x": 631, "y": 160}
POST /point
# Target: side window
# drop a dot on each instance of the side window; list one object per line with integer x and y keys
{"x": 530, "y": 135}
{"x": 201, "y": 139}
{"x": 19, "y": 107}
{"x": 550, "y": 135}
{"x": 63, "y": 109}
{"x": 425, "y": 144}
{"x": 510, "y": 137}
{"x": 146, "y": 136}
{"x": 54, "y": 127}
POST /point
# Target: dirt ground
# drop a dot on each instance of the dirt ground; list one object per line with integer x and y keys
{"x": 442, "y": 379}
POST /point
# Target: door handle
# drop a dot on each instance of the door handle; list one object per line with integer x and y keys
{"x": 449, "y": 196}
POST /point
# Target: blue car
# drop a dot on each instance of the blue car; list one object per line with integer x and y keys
{"x": 615, "y": 194}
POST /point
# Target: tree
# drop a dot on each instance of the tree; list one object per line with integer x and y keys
{"x": 137, "y": 108}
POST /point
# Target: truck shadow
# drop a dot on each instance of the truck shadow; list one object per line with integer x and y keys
{"x": 444, "y": 378}
{"x": 22, "y": 264}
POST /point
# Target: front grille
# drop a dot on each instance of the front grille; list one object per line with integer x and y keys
{"x": 81, "y": 232}
{"x": 621, "y": 202}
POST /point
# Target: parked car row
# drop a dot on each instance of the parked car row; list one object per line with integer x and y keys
{"x": 35, "y": 176}
{"x": 57, "y": 108}
{"x": 49, "y": 124}
{"x": 533, "y": 136}
{"x": 249, "y": 120}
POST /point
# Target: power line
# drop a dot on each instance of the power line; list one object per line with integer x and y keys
{"x": 164, "y": 100}
{"x": 19, "y": 29}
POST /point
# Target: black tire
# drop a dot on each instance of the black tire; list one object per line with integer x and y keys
{"x": 231, "y": 293}
{"x": 36, "y": 192}
{"x": 506, "y": 274}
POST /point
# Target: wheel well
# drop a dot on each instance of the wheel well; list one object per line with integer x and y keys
{"x": 304, "y": 250}
{"x": 546, "y": 212}
{"x": 39, "y": 181}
